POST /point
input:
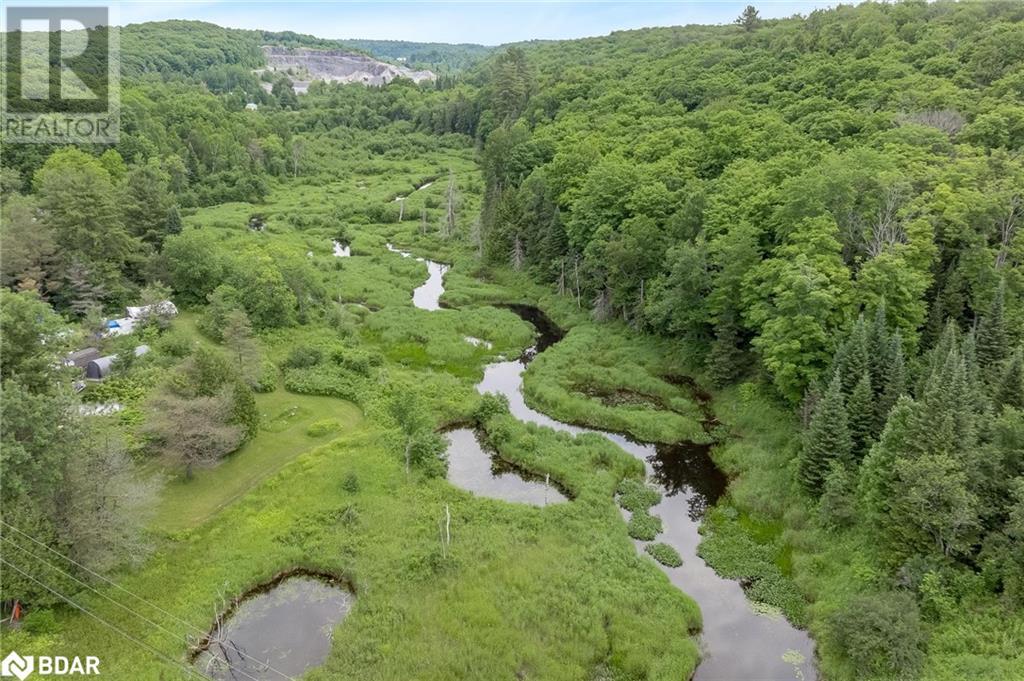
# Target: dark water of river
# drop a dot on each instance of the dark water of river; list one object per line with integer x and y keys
{"x": 471, "y": 466}
{"x": 738, "y": 642}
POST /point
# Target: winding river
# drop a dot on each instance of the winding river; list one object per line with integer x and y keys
{"x": 427, "y": 296}
{"x": 738, "y": 642}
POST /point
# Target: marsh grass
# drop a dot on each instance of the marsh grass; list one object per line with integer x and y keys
{"x": 554, "y": 592}
{"x": 608, "y": 358}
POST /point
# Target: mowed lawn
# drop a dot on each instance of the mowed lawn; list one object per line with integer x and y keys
{"x": 283, "y": 436}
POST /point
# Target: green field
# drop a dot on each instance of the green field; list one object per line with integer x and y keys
{"x": 286, "y": 417}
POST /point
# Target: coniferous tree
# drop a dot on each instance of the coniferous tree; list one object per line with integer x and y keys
{"x": 725, "y": 359}
{"x": 827, "y": 438}
{"x": 992, "y": 341}
{"x": 878, "y": 485}
{"x": 879, "y": 344}
{"x": 82, "y": 294}
{"x": 837, "y": 505}
{"x": 748, "y": 19}
{"x": 852, "y": 358}
{"x": 174, "y": 223}
{"x": 1010, "y": 391}
{"x": 860, "y": 409}
{"x": 895, "y": 386}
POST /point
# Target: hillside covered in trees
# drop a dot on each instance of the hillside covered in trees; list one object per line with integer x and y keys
{"x": 817, "y": 218}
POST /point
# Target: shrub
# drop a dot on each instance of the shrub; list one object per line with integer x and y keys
{"x": 664, "y": 554}
{"x": 323, "y": 427}
{"x": 303, "y": 357}
{"x": 174, "y": 343}
{"x": 635, "y": 496}
{"x": 266, "y": 382}
{"x": 358, "y": 361}
{"x": 880, "y": 634}
{"x": 329, "y": 381}
{"x": 491, "y": 404}
{"x": 41, "y": 622}
{"x": 643, "y": 526}
{"x": 351, "y": 483}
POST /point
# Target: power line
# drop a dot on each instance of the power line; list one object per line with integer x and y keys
{"x": 139, "y": 598}
{"x": 117, "y": 603}
{"x": 131, "y": 638}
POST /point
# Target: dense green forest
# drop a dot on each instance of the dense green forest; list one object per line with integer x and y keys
{"x": 818, "y": 218}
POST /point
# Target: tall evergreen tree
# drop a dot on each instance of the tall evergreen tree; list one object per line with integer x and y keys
{"x": 827, "y": 438}
{"x": 725, "y": 359}
{"x": 992, "y": 337}
{"x": 878, "y": 485}
{"x": 860, "y": 409}
{"x": 852, "y": 358}
{"x": 879, "y": 344}
{"x": 895, "y": 384}
{"x": 749, "y": 19}
{"x": 1010, "y": 391}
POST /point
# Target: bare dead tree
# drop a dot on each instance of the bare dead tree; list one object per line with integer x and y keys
{"x": 576, "y": 268}
{"x": 603, "y": 304}
{"x": 949, "y": 121}
{"x": 518, "y": 255}
{"x": 887, "y": 230}
{"x": 1008, "y": 228}
{"x": 445, "y": 530}
{"x": 561, "y": 278}
{"x": 297, "y": 149}
{"x": 476, "y": 236}
{"x": 448, "y": 227}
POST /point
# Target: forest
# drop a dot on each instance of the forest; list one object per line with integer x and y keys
{"x": 815, "y": 221}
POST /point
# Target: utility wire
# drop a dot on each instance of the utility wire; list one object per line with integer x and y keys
{"x": 117, "y": 603}
{"x": 139, "y": 598}
{"x": 128, "y": 636}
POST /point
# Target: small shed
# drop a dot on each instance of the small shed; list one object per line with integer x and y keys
{"x": 164, "y": 307}
{"x": 98, "y": 369}
{"x": 81, "y": 358}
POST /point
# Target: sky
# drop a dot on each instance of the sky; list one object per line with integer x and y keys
{"x": 481, "y": 21}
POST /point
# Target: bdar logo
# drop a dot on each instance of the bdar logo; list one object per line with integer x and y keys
{"x": 48, "y": 665}
{"x": 16, "y": 665}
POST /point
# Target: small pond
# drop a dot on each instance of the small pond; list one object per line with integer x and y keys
{"x": 277, "y": 632}
{"x": 472, "y": 467}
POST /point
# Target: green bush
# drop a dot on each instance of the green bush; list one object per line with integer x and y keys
{"x": 303, "y": 357}
{"x": 41, "y": 622}
{"x": 323, "y": 427}
{"x": 325, "y": 380}
{"x": 491, "y": 404}
{"x": 174, "y": 343}
{"x": 635, "y": 496}
{"x": 880, "y": 634}
{"x": 351, "y": 483}
{"x": 643, "y": 526}
{"x": 359, "y": 361}
{"x": 266, "y": 382}
{"x": 664, "y": 554}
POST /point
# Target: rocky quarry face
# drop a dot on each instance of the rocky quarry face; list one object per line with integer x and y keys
{"x": 335, "y": 66}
